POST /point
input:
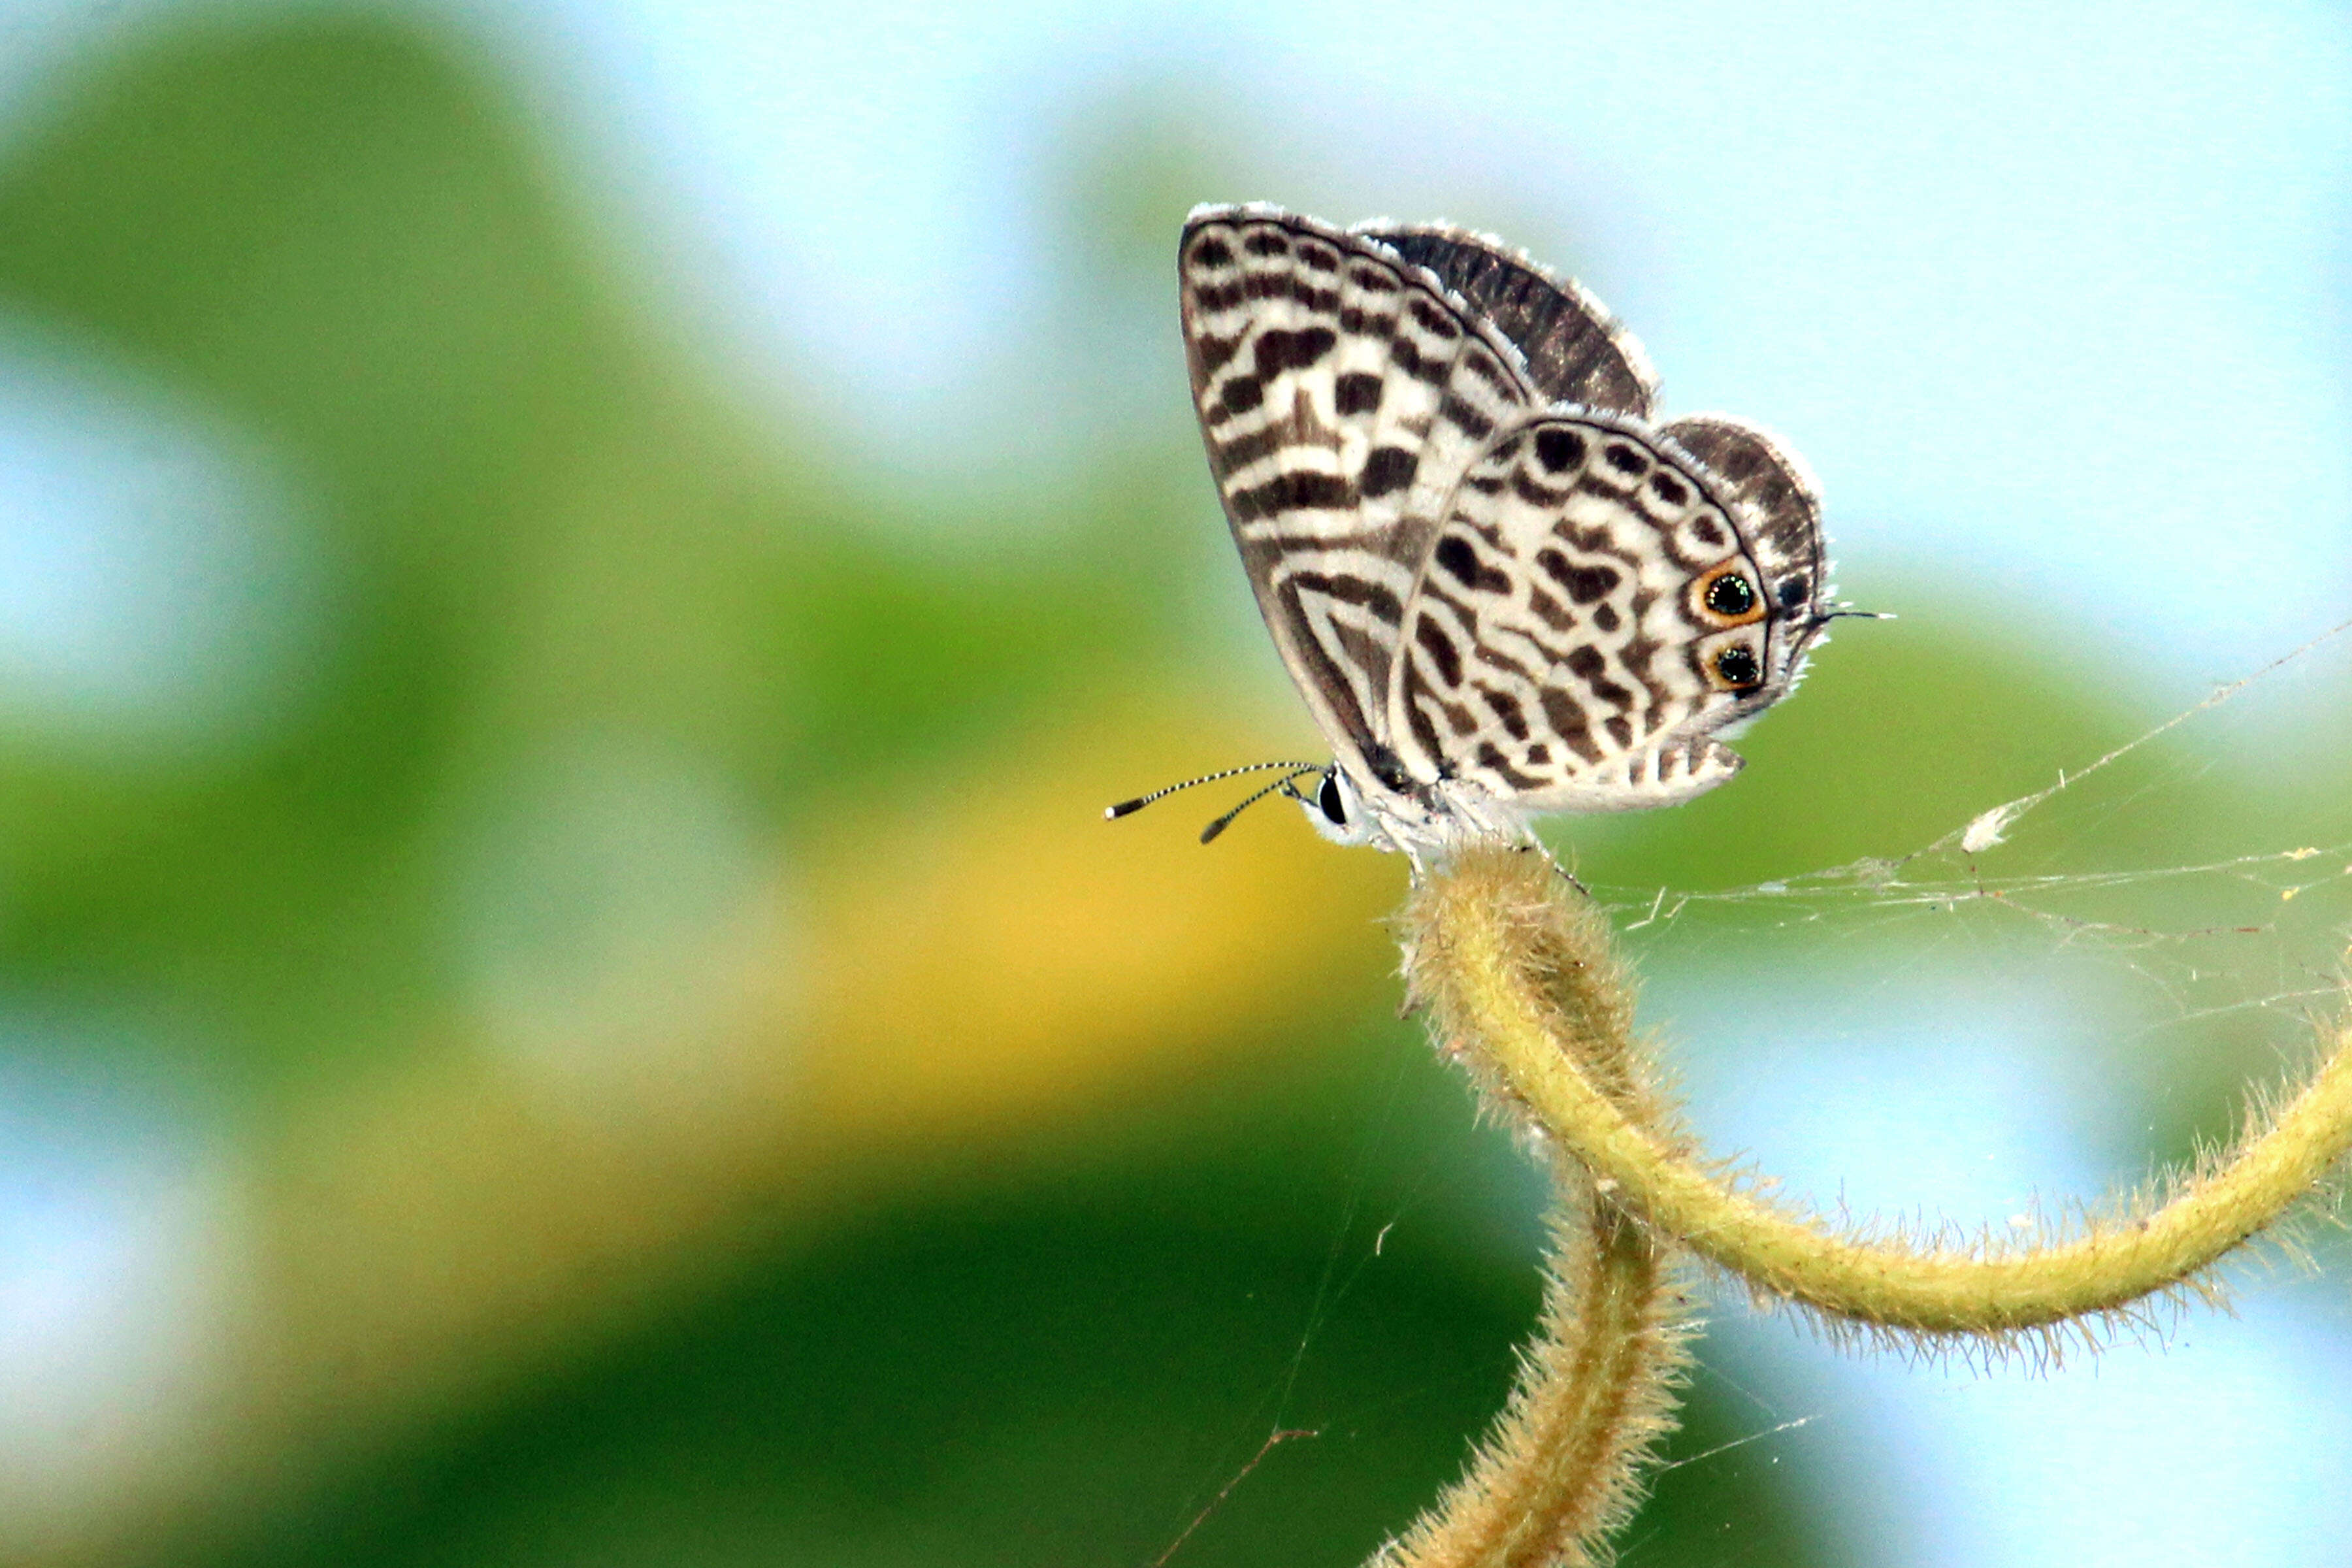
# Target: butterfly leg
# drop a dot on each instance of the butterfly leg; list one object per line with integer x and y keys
{"x": 1536, "y": 846}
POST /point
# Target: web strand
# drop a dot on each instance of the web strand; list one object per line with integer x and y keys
{"x": 2221, "y": 941}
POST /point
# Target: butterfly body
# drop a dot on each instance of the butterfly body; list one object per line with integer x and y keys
{"x": 1501, "y": 589}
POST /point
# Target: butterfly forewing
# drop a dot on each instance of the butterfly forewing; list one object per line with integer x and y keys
{"x": 1575, "y": 351}
{"x": 1568, "y": 645}
{"x": 1341, "y": 393}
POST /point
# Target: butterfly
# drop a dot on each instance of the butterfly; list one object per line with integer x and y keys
{"x": 1501, "y": 589}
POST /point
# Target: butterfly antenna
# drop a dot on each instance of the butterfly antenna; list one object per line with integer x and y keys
{"x": 1282, "y": 783}
{"x": 1127, "y": 808}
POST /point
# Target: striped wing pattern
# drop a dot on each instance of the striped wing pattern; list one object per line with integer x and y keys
{"x": 1562, "y": 651}
{"x": 1340, "y": 393}
{"x": 1501, "y": 590}
{"x": 1575, "y": 351}
{"x": 1774, "y": 494}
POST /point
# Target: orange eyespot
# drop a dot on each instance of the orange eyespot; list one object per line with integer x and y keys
{"x": 1739, "y": 670}
{"x": 1727, "y": 598}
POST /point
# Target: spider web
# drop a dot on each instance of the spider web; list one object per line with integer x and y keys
{"x": 2246, "y": 938}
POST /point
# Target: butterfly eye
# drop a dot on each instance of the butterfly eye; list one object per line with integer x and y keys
{"x": 1328, "y": 800}
{"x": 1738, "y": 668}
{"x": 1731, "y": 596}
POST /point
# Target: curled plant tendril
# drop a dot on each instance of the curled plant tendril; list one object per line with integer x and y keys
{"x": 1525, "y": 990}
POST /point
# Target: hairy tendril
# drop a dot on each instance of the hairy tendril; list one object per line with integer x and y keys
{"x": 1524, "y": 988}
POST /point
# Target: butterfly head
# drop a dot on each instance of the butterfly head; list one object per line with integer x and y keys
{"x": 1336, "y": 806}
{"x": 1420, "y": 821}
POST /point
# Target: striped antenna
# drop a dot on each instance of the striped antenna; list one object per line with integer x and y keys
{"x": 1284, "y": 783}
{"x": 1128, "y": 807}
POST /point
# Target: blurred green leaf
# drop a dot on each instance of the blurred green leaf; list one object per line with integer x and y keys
{"x": 1063, "y": 1363}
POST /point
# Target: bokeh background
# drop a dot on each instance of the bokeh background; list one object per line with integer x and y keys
{"x": 574, "y": 575}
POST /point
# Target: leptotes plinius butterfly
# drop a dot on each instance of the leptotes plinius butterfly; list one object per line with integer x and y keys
{"x": 1501, "y": 588}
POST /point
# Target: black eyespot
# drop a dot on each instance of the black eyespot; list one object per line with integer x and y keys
{"x": 1731, "y": 596}
{"x": 1327, "y": 799}
{"x": 1738, "y": 668}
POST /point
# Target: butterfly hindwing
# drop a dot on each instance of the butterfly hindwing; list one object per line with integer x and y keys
{"x": 1778, "y": 502}
{"x": 1341, "y": 392}
{"x": 1569, "y": 646}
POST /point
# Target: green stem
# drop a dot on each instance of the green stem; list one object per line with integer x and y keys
{"x": 1561, "y": 1471}
{"x": 1486, "y": 933}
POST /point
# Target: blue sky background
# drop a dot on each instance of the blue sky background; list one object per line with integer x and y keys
{"x": 2050, "y": 296}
